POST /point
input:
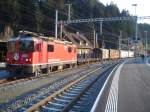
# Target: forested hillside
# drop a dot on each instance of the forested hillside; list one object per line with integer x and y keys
{"x": 39, "y": 16}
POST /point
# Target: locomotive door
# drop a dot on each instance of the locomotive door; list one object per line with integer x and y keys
{"x": 43, "y": 53}
{"x": 40, "y": 53}
{"x": 39, "y": 49}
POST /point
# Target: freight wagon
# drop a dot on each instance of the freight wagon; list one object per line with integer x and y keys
{"x": 105, "y": 54}
{"x": 124, "y": 54}
{"x": 131, "y": 54}
{"x": 114, "y": 54}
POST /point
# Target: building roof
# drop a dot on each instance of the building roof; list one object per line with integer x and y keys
{"x": 1, "y": 40}
{"x": 80, "y": 40}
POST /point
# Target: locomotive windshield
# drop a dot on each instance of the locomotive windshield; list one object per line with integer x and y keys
{"x": 26, "y": 46}
{"x": 12, "y": 46}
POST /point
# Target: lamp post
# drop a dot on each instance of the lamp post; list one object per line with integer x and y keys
{"x": 136, "y": 29}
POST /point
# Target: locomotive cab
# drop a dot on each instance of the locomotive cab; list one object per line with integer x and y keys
{"x": 20, "y": 53}
{"x": 20, "y": 50}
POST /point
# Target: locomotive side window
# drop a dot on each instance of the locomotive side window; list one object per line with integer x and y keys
{"x": 12, "y": 46}
{"x": 50, "y": 48}
{"x": 26, "y": 46}
{"x": 69, "y": 49}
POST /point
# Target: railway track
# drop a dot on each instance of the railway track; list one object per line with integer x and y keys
{"x": 2, "y": 81}
{"x": 11, "y": 81}
{"x": 6, "y": 82}
{"x": 46, "y": 89}
{"x": 67, "y": 97}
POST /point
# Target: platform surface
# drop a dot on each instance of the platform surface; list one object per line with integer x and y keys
{"x": 134, "y": 87}
{"x": 129, "y": 90}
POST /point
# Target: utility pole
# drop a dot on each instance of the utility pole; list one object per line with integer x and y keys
{"x": 69, "y": 11}
{"x": 56, "y": 24}
{"x": 145, "y": 43}
{"x": 61, "y": 23}
{"x": 61, "y": 29}
{"x": 96, "y": 43}
{"x": 103, "y": 43}
{"x": 101, "y": 27}
{"x": 128, "y": 47}
{"x": 120, "y": 40}
{"x": 136, "y": 29}
{"x": 94, "y": 38}
{"x": 101, "y": 33}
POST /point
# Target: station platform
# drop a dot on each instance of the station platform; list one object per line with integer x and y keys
{"x": 129, "y": 90}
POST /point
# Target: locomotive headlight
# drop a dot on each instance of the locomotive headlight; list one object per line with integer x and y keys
{"x": 28, "y": 59}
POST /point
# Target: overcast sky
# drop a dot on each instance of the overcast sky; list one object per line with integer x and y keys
{"x": 142, "y": 9}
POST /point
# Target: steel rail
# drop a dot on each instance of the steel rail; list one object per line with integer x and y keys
{"x": 9, "y": 81}
{"x": 70, "y": 105}
{"x": 61, "y": 91}
{"x": 43, "y": 91}
{"x": 46, "y": 100}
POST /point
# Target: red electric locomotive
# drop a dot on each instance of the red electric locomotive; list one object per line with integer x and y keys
{"x": 31, "y": 53}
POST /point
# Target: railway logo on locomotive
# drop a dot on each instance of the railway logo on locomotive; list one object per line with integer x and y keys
{"x": 16, "y": 56}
